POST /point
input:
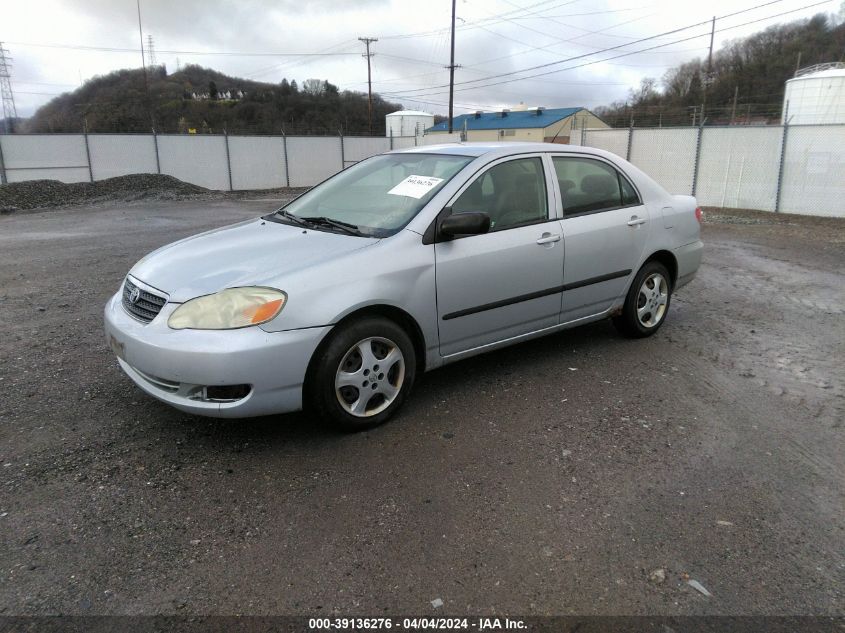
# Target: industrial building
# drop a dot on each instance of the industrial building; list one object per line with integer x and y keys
{"x": 552, "y": 125}
{"x": 407, "y": 123}
{"x": 816, "y": 95}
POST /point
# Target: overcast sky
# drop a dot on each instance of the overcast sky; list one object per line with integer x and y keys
{"x": 249, "y": 38}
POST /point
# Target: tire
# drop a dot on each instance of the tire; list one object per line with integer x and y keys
{"x": 645, "y": 310}
{"x": 350, "y": 384}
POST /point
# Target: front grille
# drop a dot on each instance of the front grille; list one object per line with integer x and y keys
{"x": 146, "y": 306}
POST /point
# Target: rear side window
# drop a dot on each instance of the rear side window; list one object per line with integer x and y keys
{"x": 589, "y": 185}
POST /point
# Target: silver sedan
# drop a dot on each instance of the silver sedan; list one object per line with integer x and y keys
{"x": 400, "y": 264}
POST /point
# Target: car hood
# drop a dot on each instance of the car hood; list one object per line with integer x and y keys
{"x": 252, "y": 253}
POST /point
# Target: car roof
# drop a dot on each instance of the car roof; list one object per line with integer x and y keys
{"x": 500, "y": 149}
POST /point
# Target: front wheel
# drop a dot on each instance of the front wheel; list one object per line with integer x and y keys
{"x": 647, "y": 302}
{"x": 363, "y": 375}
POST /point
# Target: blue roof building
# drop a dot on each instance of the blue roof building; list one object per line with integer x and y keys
{"x": 535, "y": 124}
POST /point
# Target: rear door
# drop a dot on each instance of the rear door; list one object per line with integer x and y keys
{"x": 605, "y": 229}
{"x": 506, "y": 282}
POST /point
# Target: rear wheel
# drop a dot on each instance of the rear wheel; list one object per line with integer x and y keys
{"x": 647, "y": 302}
{"x": 363, "y": 375}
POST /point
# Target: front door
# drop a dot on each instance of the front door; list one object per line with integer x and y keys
{"x": 506, "y": 282}
{"x": 605, "y": 229}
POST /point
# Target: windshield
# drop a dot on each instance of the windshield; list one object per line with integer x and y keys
{"x": 378, "y": 196}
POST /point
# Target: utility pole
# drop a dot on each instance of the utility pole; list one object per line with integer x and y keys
{"x": 798, "y": 63}
{"x": 367, "y": 41}
{"x": 144, "y": 67}
{"x": 708, "y": 77}
{"x": 452, "y": 71}
{"x": 6, "y": 95}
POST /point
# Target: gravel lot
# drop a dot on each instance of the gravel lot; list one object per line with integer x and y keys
{"x": 555, "y": 477}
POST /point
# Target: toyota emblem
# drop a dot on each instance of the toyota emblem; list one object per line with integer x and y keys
{"x": 134, "y": 295}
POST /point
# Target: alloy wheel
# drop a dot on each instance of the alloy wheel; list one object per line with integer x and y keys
{"x": 652, "y": 300}
{"x": 370, "y": 376}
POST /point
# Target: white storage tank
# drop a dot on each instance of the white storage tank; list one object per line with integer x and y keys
{"x": 816, "y": 95}
{"x": 408, "y": 123}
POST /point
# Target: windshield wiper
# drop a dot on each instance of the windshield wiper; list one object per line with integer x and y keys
{"x": 352, "y": 229}
{"x": 292, "y": 217}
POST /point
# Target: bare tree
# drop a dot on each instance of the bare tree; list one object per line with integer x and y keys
{"x": 315, "y": 87}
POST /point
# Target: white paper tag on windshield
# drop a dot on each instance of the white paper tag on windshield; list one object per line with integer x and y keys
{"x": 415, "y": 186}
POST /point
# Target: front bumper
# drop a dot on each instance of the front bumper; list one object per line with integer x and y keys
{"x": 175, "y": 366}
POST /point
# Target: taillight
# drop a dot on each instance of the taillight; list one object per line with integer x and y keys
{"x": 698, "y": 214}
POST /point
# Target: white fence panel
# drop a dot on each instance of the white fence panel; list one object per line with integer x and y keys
{"x": 356, "y": 148}
{"x": 738, "y": 167}
{"x": 258, "y": 162}
{"x": 667, "y": 155}
{"x": 814, "y": 171}
{"x": 437, "y": 139}
{"x": 615, "y": 141}
{"x": 45, "y": 156}
{"x": 313, "y": 159}
{"x": 200, "y": 160}
{"x": 404, "y": 142}
{"x": 121, "y": 154}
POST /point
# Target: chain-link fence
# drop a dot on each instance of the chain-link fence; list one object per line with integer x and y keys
{"x": 813, "y": 170}
{"x": 667, "y": 155}
{"x": 787, "y": 169}
{"x": 224, "y": 162}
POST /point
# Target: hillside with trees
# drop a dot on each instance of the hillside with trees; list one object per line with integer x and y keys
{"x": 206, "y": 101}
{"x": 749, "y": 72}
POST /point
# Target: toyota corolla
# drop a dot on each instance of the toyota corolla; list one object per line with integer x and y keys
{"x": 404, "y": 262}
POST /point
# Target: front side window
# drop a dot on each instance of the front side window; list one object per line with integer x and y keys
{"x": 588, "y": 185}
{"x": 378, "y": 196}
{"x": 512, "y": 193}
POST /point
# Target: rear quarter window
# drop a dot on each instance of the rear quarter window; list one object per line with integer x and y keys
{"x": 588, "y": 185}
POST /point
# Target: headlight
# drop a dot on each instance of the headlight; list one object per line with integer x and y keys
{"x": 228, "y": 309}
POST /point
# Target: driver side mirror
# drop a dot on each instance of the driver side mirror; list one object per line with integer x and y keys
{"x": 469, "y": 223}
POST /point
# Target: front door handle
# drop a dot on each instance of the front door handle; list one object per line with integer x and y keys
{"x": 548, "y": 238}
{"x": 634, "y": 221}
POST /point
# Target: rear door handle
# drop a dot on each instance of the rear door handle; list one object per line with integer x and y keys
{"x": 634, "y": 221}
{"x": 548, "y": 238}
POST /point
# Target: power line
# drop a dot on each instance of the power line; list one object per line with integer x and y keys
{"x": 116, "y": 49}
{"x": 625, "y": 54}
{"x": 612, "y": 48}
{"x": 472, "y": 25}
{"x": 553, "y": 44}
{"x": 346, "y": 44}
{"x": 42, "y": 83}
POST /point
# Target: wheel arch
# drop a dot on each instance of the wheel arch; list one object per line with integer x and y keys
{"x": 399, "y": 316}
{"x": 667, "y": 258}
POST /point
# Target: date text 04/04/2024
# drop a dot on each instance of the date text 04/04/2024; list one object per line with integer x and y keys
{"x": 414, "y": 624}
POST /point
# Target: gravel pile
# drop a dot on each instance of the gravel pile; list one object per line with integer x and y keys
{"x": 34, "y": 194}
